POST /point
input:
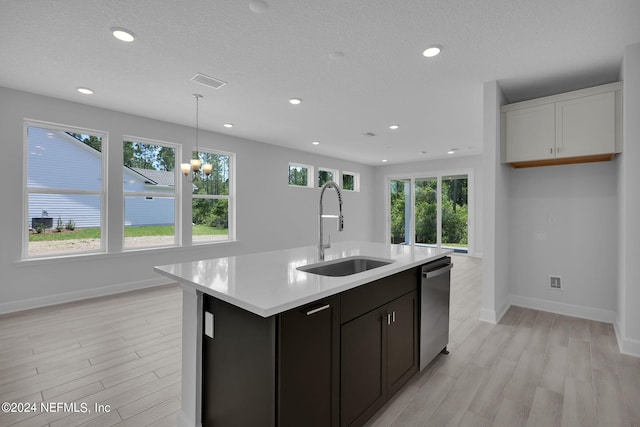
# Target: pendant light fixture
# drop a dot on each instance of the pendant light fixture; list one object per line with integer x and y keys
{"x": 195, "y": 166}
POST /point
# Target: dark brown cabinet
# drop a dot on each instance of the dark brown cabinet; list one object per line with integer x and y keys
{"x": 330, "y": 363}
{"x": 378, "y": 356}
{"x": 308, "y": 366}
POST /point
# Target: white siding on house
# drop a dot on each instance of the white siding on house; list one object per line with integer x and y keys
{"x": 83, "y": 209}
{"x": 156, "y": 211}
{"x": 58, "y": 161}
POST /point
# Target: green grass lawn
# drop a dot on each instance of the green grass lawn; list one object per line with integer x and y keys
{"x": 133, "y": 231}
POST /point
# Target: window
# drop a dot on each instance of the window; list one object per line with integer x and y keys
{"x": 350, "y": 181}
{"x": 325, "y": 175}
{"x": 431, "y": 211}
{"x": 212, "y": 207}
{"x": 300, "y": 175}
{"x": 149, "y": 178}
{"x": 64, "y": 190}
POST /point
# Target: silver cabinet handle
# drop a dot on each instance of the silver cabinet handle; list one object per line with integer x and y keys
{"x": 435, "y": 273}
{"x": 315, "y": 310}
{"x": 388, "y": 319}
{"x": 393, "y": 316}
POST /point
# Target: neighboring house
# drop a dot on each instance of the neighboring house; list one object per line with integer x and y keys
{"x": 51, "y": 153}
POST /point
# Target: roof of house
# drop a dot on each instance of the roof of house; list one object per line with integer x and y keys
{"x": 156, "y": 177}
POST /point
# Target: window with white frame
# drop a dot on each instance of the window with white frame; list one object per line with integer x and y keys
{"x": 431, "y": 210}
{"x": 300, "y": 175}
{"x": 149, "y": 177}
{"x": 212, "y": 198}
{"x": 65, "y": 190}
{"x": 325, "y": 175}
{"x": 350, "y": 181}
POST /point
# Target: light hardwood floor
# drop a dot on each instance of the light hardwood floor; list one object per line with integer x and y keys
{"x": 533, "y": 369}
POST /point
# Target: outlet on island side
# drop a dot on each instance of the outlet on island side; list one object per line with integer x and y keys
{"x": 555, "y": 283}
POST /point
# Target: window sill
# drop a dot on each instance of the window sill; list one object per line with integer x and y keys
{"x": 55, "y": 259}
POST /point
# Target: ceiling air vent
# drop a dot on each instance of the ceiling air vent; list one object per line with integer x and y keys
{"x": 369, "y": 134}
{"x": 211, "y": 82}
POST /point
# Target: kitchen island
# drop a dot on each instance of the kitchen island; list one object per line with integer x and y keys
{"x": 246, "y": 343}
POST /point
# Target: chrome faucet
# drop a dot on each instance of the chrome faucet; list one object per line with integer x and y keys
{"x": 321, "y": 245}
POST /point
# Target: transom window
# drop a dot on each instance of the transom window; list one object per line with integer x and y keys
{"x": 325, "y": 175}
{"x": 300, "y": 175}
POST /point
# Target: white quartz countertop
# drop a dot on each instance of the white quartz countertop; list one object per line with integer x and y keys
{"x": 269, "y": 283}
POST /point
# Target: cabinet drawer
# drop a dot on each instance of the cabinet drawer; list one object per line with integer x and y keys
{"x": 363, "y": 299}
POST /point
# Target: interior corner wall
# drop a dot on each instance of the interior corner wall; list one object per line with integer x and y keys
{"x": 628, "y": 286}
{"x": 270, "y": 214}
{"x": 495, "y": 252}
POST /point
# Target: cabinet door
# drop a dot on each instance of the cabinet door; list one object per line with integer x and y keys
{"x": 308, "y": 365}
{"x": 586, "y": 126}
{"x": 363, "y": 372}
{"x": 402, "y": 340}
{"x": 530, "y": 133}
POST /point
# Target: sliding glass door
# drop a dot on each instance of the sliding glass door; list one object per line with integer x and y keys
{"x": 430, "y": 211}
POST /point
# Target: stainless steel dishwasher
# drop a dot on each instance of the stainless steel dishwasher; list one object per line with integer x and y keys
{"x": 434, "y": 309}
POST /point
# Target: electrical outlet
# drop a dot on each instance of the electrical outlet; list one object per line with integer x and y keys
{"x": 555, "y": 282}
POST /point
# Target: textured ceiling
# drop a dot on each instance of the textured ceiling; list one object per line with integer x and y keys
{"x": 531, "y": 47}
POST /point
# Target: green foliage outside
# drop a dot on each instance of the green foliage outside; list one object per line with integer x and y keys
{"x": 91, "y": 140}
{"x": 348, "y": 182}
{"x": 298, "y": 175}
{"x": 132, "y": 231}
{"x": 324, "y": 177}
{"x": 206, "y": 211}
{"x": 454, "y": 211}
{"x": 148, "y": 156}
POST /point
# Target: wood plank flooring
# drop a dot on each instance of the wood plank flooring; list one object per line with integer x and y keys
{"x": 122, "y": 351}
{"x": 533, "y": 369}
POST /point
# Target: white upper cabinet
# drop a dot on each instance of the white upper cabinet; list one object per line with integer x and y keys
{"x": 531, "y": 133}
{"x": 575, "y": 127}
{"x": 586, "y": 126}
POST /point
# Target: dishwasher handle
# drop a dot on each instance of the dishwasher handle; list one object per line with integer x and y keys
{"x": 438, "y": 272}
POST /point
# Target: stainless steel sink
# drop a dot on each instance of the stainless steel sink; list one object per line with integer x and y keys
{"x": 345, "y": 266}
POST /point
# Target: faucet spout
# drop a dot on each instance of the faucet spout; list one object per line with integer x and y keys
{"x": 321, "y": 245}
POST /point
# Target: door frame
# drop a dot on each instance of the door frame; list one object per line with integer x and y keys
{"x": 438, "y": 174}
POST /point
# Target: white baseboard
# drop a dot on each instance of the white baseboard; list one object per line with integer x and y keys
{"x": 493, "y": 316}
{"x": 590, "y": 313}
{"x": 26, "y": 304}
{"x": 627, "y": 346}
{"x": 488, "y": 316}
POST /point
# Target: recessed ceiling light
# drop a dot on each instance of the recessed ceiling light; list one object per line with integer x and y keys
{"x": 384, "y": 160}
{"x": 394, "y": 127}
{"x": 422, "y": 152}
{"x": 85, "y": 91}
{"x": 258, "y": 6}
{"x": 452, "y": 151}
{"x": 295, "y": 101}
{"x": 316, "y": 143}
{"x": 432, "y": 51}
{"x": 228, "y": 125}
{"x": 123, "y": 34}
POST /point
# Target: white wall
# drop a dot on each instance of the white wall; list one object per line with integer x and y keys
{"x": 425, "y": 169}
{"x": 496, "y": 250}
{"x": 628, "y": 289}
{"x": 562, "y": 222}
{"x": 270, "y": 214}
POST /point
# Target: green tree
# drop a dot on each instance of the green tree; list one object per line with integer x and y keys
{"x": 90, "y": 140}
